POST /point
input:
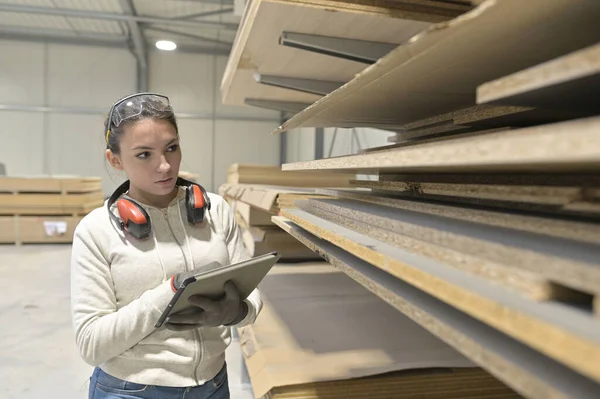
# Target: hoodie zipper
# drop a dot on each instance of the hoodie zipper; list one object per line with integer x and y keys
{"x": 197, "y": 346}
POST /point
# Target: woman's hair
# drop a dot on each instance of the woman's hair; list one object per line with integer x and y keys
{"x": 137, "y": 109}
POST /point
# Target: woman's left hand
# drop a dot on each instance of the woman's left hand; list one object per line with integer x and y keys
{"x": 226, "y": 311}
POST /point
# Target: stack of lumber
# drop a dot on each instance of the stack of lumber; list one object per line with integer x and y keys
{"x": 45, "y": 209}
{"x": 483, "y": 226}
{"x": 254, "y": 205}
{"x": 271, "y": 175}
{"x": 322, "y": 335}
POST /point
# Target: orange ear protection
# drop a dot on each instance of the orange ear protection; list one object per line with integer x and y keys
{"x": 135, "y": 220}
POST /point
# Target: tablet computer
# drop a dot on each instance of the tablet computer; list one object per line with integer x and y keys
{"x": 210, "y": 282}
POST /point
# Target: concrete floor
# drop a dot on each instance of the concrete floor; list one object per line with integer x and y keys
{"x": 38, "y": 357}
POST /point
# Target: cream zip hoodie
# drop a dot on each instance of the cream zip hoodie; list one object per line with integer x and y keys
{"x": 120, "y": 286}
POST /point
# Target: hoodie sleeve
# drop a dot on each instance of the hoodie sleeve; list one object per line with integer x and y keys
{"x": 101, "y": 331}
{"x": 237, "y": 253}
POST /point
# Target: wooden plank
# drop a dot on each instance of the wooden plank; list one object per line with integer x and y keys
{"x": 408, "y": 83}
{"x": 564, "y": 261}
{"x": 50, "y": 204}
{"x": 519, "y": 366}
{"x": 252, "y": 216}
{"x": 49, "y": 184}
{"x": 565, "y": 146}
{"x": 273, "y": 176}
{"x": 556, "y": 198}
{"x": 530, "y": 284}
{"x": 570, "y": 229}
{"x": 569, "y": 82}
{"x": 260, "y": 241}
{"x": 37, "y": 229}
{"x": 263, "y": 23}
{"x": 570, "y": 336}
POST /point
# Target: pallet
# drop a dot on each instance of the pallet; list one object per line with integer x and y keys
{"x": 60, "y": 185}
{"x": 570, "y": 336}
{"x": 525, "y": 370}
{"x": 50, "y": 203}
{"x": 26, "y": 229}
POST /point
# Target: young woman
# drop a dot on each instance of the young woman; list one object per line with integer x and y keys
{"x": 129, "y": 255}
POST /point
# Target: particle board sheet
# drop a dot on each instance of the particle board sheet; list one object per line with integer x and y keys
{"x": 319, "y": 325}
{"x": 481, "y": 119}
{"x": 274, "y": 176}
{"x": 530, "y": 284}
{"x": 37, "y": 229}
{"x": 408, "y": 84}
{"x": 259, "y": 241}
{"x": 547, "y": 198}
{"x": 571, "y": 335}
{"x": 519, "y": 366}
{"x": 261, "y": 196}
{"x": 256, "y": 47}
{"x": 565, "y": 146}
{"x": 565, "y": 261}
{"x": 49, "y": 184}
{"x": 554, "y": 227}
{"x": 569, "y": 82}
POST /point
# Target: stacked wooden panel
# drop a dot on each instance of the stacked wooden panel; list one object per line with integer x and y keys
{"x": 45, "y": 209}
{"x": 258, "y": 192}
{"x": 483, "y": 223}
{"x": 322, "y": 335}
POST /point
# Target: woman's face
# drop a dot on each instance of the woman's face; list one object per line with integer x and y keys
{"x": 150, "y": 156}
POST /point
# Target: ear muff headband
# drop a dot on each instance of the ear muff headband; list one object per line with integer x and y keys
{"x": 134, "y": 219}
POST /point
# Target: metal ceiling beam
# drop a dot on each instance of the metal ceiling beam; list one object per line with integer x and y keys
{"x": 277, "y": 105}
{"x": 62, "y": 36}
{"x": 367, "y": 52}
{"x": 312, "y": 86}
{"x": 65, "y": 12}
{"x": 139, "y": 46}
{"x": 188, "y": 35}
{"x": 204, "y": 14}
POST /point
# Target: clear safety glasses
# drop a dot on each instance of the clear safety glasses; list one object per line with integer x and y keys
{"x": 134, "y": 105}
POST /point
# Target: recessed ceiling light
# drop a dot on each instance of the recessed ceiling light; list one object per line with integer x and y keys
{"x": 166, "y": 45}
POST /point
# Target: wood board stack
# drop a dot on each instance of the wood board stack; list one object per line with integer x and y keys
{"x": 483, "y": 226}
{"x": 322, "y": 335}
{"x": 258, "y": 192}
{"x": 45, "y": 209}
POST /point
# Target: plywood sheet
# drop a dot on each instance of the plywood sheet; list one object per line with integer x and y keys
{"x": 565, "y": 146}
{"x": 569, "y": 82}
{"x": 408, "y": 84}
{"x": 519, "y": 366}
{"x": 571, "y": 336}
{"x": 256, "y": 47}
{"x": 260, "y": 241}
{"x": 252, "y": 216}
{"x": 273, "y": 176}
{"x": 261, "y": 196}
{"x": 318, "y": 325}
{"x": 50, "y": 204}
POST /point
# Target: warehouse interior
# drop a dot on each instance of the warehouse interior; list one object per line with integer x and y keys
{"x": 426, "y": 170}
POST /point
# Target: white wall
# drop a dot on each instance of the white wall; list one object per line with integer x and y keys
{"x": 80, "y": 83}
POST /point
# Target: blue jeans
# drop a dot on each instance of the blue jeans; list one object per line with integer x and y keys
{"x": 104, "y": 386}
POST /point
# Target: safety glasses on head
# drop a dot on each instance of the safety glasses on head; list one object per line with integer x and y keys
{"x": 134, "y": 105}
